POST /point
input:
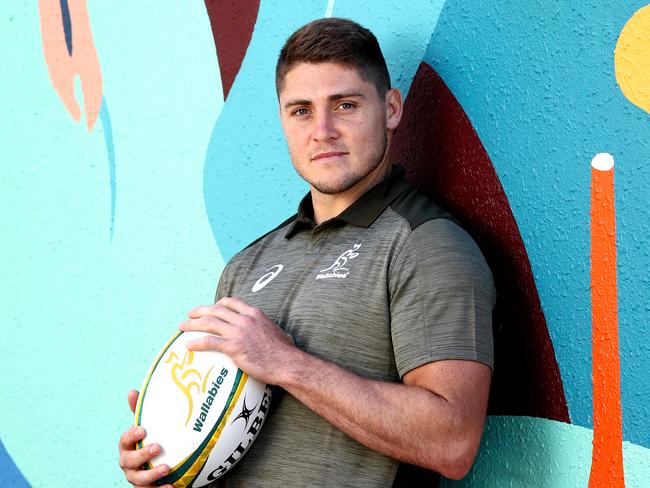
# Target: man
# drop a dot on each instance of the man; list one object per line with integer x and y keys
{"x": 371, "y": 308}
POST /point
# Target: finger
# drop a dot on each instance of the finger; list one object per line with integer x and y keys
{"x": 130, "y": 437}
{"x": 212, "y": 325}
{"x": 194, "y": 313}
{"x": 237, "y": 305}
{"x": 135, "y": 459}
{"x": 208, "y": 343}
{"x": 132, "y": 398}
{"x": 147, "y": 477}
{"x": 223, "y": 313}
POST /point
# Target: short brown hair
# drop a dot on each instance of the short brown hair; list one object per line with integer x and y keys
{"x": 335, "y": 40}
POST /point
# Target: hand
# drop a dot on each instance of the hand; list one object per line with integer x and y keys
{"x": 132, "y": 459}
{"x": 257, "y": 346}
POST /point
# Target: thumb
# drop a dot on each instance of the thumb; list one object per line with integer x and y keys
{"x": 132, "y": 398}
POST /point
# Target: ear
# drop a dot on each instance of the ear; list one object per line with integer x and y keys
{"x": 394, "y": 106}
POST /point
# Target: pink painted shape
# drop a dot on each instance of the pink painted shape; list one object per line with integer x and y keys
{"x": 84, "y": 62}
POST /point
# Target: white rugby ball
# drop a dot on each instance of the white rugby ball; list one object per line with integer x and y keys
{"x": 202, "y": 409}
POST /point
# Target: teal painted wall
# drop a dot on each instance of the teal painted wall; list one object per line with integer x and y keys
{"x": 109, "y": 235}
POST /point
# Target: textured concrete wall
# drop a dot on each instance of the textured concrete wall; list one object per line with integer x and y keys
{"x": 127, "y": 181}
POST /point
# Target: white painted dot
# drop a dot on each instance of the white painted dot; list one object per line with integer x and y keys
{"x": 603, "y": 162}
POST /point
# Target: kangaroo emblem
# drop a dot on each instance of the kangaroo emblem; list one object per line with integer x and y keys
{"x": 342, "y": 260}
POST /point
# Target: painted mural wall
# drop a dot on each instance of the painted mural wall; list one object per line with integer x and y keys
{"x": 141, "y": 149}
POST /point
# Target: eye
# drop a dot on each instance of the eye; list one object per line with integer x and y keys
{"x": 346, "y": 105}
{"x": 300, "y": 112}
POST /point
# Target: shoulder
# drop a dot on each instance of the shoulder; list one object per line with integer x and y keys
{"x": 417, "y": 209}
{"x": 429, "y": 229}
{"x": 442, "y": 295}
{"x": 437, "y": 248}
{"x": 444, "y": 236}
{"x": 441, "y": 246}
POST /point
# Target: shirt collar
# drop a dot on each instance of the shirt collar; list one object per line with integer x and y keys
{"x": 364, "y": 211}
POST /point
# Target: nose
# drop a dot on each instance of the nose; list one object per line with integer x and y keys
{"x": 325, "y": 126}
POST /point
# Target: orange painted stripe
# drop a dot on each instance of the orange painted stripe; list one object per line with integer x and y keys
{"x": 607, "y": 454}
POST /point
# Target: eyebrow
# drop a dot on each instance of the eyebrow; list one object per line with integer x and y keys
{"x": 331, "y": 98}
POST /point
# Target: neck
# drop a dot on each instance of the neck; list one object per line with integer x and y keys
{"x": 329, "y": 206}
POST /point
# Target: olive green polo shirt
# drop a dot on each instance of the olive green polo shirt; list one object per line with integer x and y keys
{"x": 390, "y": 284}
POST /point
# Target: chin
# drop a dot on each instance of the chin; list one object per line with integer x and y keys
{"x": 338, "y": 185}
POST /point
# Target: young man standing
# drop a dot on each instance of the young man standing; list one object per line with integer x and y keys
{"x": 370, "y": 306}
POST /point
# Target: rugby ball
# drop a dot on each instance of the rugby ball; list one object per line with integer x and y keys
{"x": 203, "y": 411}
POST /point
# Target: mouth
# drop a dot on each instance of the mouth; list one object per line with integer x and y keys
{"x": 324, "y": 156}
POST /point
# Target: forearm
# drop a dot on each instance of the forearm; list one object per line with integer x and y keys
{"x": 408, "y": 423}
{"x": 435, "y": 419}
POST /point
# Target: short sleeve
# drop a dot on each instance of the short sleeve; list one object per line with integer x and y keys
{"x": 441, "y": 298}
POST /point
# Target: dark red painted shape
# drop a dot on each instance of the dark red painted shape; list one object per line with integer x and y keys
{"x": 232, "y": 24}
{"x": 445, "y": 159}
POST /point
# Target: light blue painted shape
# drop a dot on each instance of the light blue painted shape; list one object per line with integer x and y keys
{"x": 85, "y": 315}
{"x": 530, "y": 452}
{"x": 105, "y": 117}
{"x": 250, "y": 184}
{"x": 538, "y": 85}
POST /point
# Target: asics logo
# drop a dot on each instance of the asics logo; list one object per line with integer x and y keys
{"x": 266, "y": 278}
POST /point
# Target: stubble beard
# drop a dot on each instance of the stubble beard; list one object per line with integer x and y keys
{"x": 348, "y": 180}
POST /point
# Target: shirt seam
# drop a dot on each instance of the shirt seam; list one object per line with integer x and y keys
{"x": 420, "y": 299}
{"x": 419, "y": 292}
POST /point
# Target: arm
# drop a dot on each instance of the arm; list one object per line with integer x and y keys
{"x": 435, "y": 419}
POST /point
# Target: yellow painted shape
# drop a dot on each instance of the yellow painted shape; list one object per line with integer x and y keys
{"x": 632, "y": 59}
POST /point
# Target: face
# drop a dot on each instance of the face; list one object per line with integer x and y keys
{"x": 336, "y": 125}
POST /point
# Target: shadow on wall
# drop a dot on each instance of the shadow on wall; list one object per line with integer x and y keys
{"x": 445, "y": 159}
